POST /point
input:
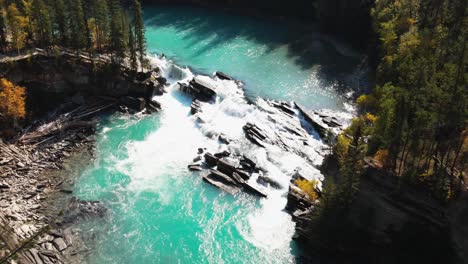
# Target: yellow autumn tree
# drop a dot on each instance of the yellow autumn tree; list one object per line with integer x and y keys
{"x": 308, "y": 187}
{"x": 12, "y": 100}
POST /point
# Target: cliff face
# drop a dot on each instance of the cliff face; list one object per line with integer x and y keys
{"x": 390, "y": 222}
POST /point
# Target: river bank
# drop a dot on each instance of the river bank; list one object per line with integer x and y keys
{"x": 41, "y": 162}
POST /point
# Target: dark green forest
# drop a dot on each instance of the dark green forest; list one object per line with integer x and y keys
{"x": 90, "y": 25}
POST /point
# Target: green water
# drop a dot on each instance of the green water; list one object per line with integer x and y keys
{"x": 159, "y": 212}
{"x": 276, "y": 59}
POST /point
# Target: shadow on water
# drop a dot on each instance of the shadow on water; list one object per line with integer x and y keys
{"x": 305, "y": 46}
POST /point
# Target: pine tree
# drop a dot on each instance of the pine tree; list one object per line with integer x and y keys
{"x": 77, "y": 25}
{"x": 3, "y": 38}
{"x": 139, "y": 29}
{"x": 117, "y": 34}
{"x": 61, "y": 22}
{"x": 131, "y": 45}
{"x": 101, "y": 17}
{"x": 42, "y": 21}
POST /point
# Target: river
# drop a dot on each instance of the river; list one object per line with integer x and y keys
{"x": 159, "y": 212}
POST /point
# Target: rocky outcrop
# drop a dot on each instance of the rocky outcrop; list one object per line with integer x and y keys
{"x": 195, "y": 107}
{"x": 324, "y": 122}
{"x": 223, "y": 76}
{"x": 200, "y": 88}
{"x": 68, "y": 72}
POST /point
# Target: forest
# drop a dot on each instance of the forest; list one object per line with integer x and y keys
{"x": 92, "y": 25}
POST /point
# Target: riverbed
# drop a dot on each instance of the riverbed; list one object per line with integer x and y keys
{"x": 159, "y": 212}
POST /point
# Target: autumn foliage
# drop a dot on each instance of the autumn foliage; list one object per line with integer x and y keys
{"x": 308, "y": 187}
{"x": 12, "y": 101}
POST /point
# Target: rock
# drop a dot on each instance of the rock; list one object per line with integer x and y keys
{"x": 195, "y": 167}
{"x": 244, "y": 175}
{"x": 223, "y": 139}
{"x": 200, "y": 150}
{"x": 285, "y": 107}
{"x": 55, "y": 233}
{"x": 297, "y": 199}
{"x": 226, "y": 167}
{"x": 143, "y": 76}
{"x": 83, "y": 209}
{"x": 195, "y": 107}
{"x": 254, "y": 190}
{"x": 222, "y": 154}
{"x": 210, "y": 159}
{"x": 153, "y": 106}
{"x": 35, "y": 255}
{"x": 322, "y": 130}
{"x": 270, "y": 181}
{"x": 222, "y": 177}
{"x": 161, "y": 80}
{"x": 4, "y": 185}
{"x": 212, "y": 179}
{"x": 60, "y": 244}
{"x": 238, "y": 178}
{"x": 197, "y": 158}
{"x": 248, "y": 164}
{"x": 200, "y": 87}
{"x": 67, "y": 235}
{"x": 137, "y": 104}
{"x": 223, "y": 76}
{"x": 254, "y": 134}
{"x": 48, "y": 252}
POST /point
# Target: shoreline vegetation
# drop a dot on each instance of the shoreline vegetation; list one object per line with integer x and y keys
{"x": 395, "y": 185}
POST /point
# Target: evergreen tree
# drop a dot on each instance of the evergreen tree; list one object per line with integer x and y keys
{"x": 3, "y": 36}
{"x": 131, "y": 45}
{"x": 101, "y": 16}
{"x": 117, "y": 30}
{"x": 139, "y": 29}
{"x": 62, "y": 24}
{"x": 77, "y": 25}
{"x": 42, "y": 21}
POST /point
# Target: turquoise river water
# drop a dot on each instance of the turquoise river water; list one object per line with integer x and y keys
{"x": 159, "y": 212}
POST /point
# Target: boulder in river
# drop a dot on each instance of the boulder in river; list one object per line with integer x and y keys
{"x": 285, "y": 107}
{"x": 195, "y": 107}
{"x": 254, "y": 134}
{"x": 210, "y": 159}
{"x": 200, "y": 87}
{"x": 195, "y": 167}
{"x": 254, "y": 190}
{"x": 226, "y": 167}
{"x": 221, "y": 181}
{"x": 270, "y": 182}
{"x": 223, "y": 76}
{"x": 222, "y": 154}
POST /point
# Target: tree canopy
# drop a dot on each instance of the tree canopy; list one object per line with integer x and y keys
{"x": 92, "y": 25}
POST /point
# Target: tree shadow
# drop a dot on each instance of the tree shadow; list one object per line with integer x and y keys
{"x": 305, "y": 46}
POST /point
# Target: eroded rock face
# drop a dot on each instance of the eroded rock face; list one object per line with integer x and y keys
{"x": 72, "y": 73}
